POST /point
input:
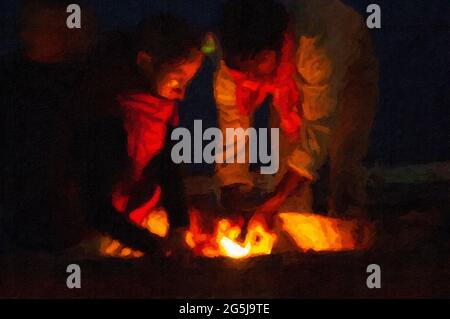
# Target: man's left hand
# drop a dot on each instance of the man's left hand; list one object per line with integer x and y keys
{"x": 265, "y": 212}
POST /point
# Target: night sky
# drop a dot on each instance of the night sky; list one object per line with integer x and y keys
{"x": 413, "y": 122}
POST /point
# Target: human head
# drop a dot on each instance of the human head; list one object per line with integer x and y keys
{"x": 44, "y": 33}
{"x": 168, "y": 55}
{"x": 252, "y": 33}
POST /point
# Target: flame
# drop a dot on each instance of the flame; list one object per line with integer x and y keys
{"x": 309, "y": 232}
{"x": 321, "y": 233}
{"x": 233, "y": 249}
{"x": 223, "y": 242}
{"x": 157, "y": 223}
{"x": 113, "y": 248}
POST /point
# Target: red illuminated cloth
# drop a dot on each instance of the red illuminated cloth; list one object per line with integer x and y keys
{"x": 251, "y": 93}
{"x": 146, "y": 121}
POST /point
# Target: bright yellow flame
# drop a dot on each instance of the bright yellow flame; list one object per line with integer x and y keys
{"x": 158, "y": 223}
{"x": 223, "y": 242}
{"x": 233, "y": 249}
{"x": 310, "y": 232}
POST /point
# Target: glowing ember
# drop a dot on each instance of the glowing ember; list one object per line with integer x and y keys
{"x": 113, "y": 248}
{"x": 157, "y": 223}
{"x": 309, "y": 232}
{"x": 321, "y": 233}
{"x": 233, "y": 249}
{"x": 223, "y": 242}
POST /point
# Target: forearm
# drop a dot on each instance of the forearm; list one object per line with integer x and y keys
{"x": 106, "y": 162}
{"x": 290, "y": 182}
{"x": 107, "y": 220}
{"x": 229, "y": 117}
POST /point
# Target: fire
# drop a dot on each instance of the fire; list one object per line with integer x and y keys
{"x": 322, "y": 233}
{"x": 309, "y": 232}
{"x": 158, "y": 223}
{"x": 223, "y": 241}
{"x": 113, "y": 248}
{"x": 233, "y": 249}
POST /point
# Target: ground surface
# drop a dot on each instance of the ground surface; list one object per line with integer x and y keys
{"x": 421, "y": 273}
{"x": 412, "y": 248}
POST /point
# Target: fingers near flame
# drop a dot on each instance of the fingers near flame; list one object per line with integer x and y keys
{"x": 310, "y": 232}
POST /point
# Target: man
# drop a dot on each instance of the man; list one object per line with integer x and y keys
{"x": 39, "y": 207}
{"x": 315, "y": 60}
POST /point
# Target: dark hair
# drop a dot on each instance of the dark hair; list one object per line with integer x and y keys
{"x": 168, "y": 39}
{"x": 250, "y": 26}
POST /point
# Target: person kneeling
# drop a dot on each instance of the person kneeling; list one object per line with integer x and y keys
{"x": 132, "y": 177}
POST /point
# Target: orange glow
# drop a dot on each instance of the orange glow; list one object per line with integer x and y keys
{"x": 320, "y": 233}
{"x": 113, "y": 248}
{"x": 223, "y": 242}
{"x": 309, "y": 232}
{"x": 157, "y": 223}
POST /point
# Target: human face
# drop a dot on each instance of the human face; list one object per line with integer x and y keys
{"x": 261, "y": 66}
{"x": 173, "y": 80}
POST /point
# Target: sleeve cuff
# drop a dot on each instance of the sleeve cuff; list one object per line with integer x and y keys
{"x": 302, "y": 164}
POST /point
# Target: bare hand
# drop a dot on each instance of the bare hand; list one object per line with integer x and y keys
{"x": 264, "y": 214}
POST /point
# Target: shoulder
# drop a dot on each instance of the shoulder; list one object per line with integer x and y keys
{"x": 324, "y": 19}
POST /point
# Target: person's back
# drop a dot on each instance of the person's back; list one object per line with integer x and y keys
{"x": 40, "y": 205}
{"x": 36, "y": 146}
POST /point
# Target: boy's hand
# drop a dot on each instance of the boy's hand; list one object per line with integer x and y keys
{"x": 265, "y": 212}
{"x": 290, "y": 182}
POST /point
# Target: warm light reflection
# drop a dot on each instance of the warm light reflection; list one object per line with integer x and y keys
{"x": 223, "y": 242}
{"x": 322, "y": 233}
{"x": 309, "y": 232}
{"x": 157, "y": 223}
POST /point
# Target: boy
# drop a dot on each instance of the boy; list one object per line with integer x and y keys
{"x": 314, "y": 58}
{"x": 131, "y": 174}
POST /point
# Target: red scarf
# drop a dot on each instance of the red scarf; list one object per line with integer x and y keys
{"x": 146, "y": 121}
{"x": 282, "y": 86}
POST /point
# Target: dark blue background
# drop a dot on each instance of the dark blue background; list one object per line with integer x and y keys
{"x": 413, "y": 122}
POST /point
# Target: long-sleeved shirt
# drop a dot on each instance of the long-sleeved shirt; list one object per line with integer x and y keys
{"x": 146, "y": 121}
{"x": 327, "y": 34}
